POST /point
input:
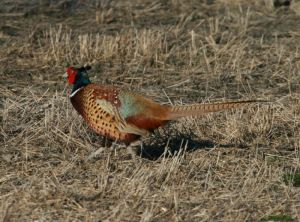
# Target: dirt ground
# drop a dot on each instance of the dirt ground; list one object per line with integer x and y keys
{"x": 240, "y": 165}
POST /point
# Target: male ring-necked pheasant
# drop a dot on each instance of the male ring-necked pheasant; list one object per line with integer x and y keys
{"x": 125, "y": 116}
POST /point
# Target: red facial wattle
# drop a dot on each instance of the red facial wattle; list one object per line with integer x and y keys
{"x": 71, "y": 75}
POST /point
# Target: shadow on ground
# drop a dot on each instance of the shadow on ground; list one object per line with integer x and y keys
{"x": 168, "y": 147}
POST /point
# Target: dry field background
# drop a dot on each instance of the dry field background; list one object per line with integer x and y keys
{"x": 232, "y": 166}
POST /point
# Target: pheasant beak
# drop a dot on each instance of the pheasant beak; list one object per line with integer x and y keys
{"x": 65, "y": 75}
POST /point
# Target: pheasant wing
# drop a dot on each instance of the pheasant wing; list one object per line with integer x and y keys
{"x": 109, "y": 102}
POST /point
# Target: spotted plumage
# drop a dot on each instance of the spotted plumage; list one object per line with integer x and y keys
{"x": 126, "y": 116}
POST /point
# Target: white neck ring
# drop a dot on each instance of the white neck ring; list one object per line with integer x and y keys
{"x": 76, "y": 91}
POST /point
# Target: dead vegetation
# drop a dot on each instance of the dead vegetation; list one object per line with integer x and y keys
{"x": 231, "y": 166}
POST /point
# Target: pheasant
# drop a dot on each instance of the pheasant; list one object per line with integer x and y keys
{"x": 126, "y": 116}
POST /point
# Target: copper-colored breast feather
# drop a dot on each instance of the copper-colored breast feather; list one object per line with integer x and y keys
{"x": 99, "y": 107}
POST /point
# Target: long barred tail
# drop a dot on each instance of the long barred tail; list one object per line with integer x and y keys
{"x": 200, "y": 109}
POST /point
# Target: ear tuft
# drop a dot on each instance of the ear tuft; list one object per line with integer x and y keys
{"x": 87, "y": 67}
{"x": 84, "y": 68}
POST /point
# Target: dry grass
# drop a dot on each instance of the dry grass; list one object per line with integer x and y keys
{"x": 232, "y": 166}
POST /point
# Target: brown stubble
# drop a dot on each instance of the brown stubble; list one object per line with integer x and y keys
{"x": 231, "y": 165}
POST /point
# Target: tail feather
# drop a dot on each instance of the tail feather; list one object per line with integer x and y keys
{"x": 200, "y": 109}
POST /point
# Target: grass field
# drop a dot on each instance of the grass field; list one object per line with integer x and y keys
{"x": 241, "y": 165}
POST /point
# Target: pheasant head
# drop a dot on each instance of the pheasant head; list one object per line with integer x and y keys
{"x": 78, "y": 77}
